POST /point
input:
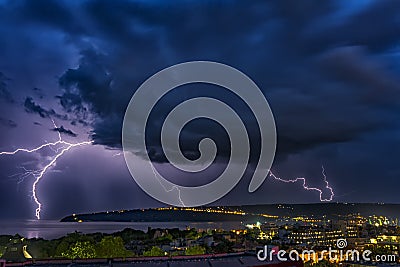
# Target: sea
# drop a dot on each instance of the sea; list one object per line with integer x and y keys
{"x": 52, "y": 229}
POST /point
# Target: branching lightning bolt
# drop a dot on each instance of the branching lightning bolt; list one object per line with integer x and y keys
{"x": 38, "y": 174}
{"x": 308, "y": 188}
{"x": 304, "y": 180}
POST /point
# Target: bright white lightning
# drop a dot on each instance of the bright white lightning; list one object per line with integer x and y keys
{"x": 306, "y": 187}
{"x": 38, "y": 174}
{"x": 60, "y": 147}
{"x": 304, "y": 180}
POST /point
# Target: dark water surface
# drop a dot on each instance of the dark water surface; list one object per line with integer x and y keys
{"x": 50, "y": 229}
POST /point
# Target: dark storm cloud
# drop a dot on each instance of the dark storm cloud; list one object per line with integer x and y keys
{"x": 312, "y": 68}
{"x": 307, "y": 55}
{"x": 91, "y": 75}
{"x": 32, "y": 107}
{"x": 353, "y": 65}
{"x": 62, "y": 130}
{"x": 57, "y": 14}
{"x": 376, "y": 27}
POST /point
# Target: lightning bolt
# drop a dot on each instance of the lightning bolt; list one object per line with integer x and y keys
{"x": 64, "y": 146}
{"x": 306, "y": 187}
{"x": 175, "y": 187}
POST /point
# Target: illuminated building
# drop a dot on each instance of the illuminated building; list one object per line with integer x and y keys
{"x": 388, "y": 242}
{"x": 16, "y": 250}
{"x": 315, "y": 236}
{"x": 382, "y": 221}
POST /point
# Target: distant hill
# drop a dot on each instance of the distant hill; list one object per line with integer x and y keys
{"x": 156, "y": 215}
{"x": 328, "y": 209}
{"x": 233, "y": 213}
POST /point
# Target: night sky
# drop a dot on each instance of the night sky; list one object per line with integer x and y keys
{"x": 329, "y": 70}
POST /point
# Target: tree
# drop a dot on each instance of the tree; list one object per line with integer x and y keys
{"x": 192, "y": 234}
{"x": 223, "y": 246}
{"x": 112, "y": 247}
{"x": 80, "y": 250}
{"x": 154, "y": 252}
{"x": 131, "y": 234}
{"x": 2, "y": 250}
{"x": 69, "y": 245}
{"x": 195, "y": 250}
{"x": 164, "y": 240}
